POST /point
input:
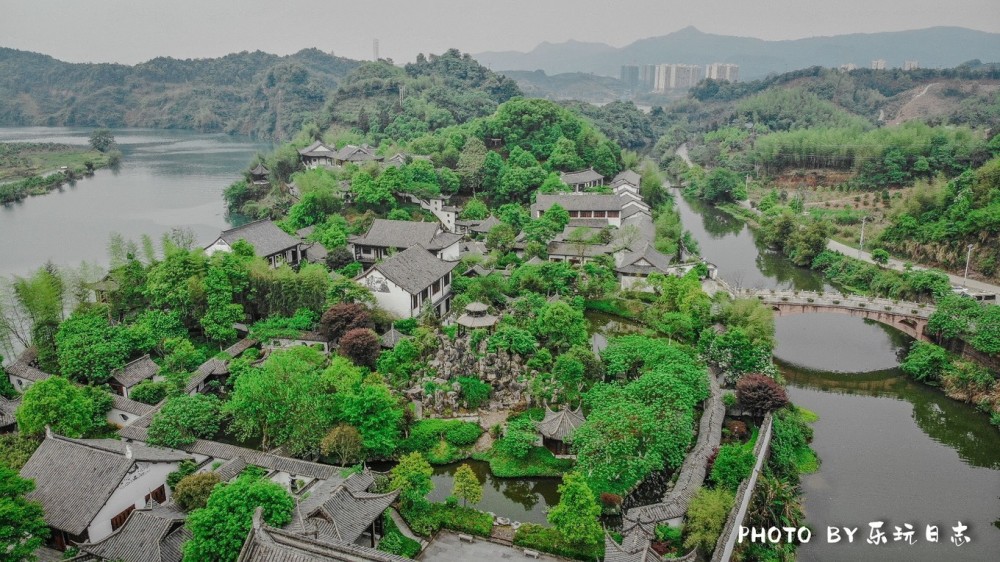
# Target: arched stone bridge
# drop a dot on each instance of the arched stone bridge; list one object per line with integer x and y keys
{"x": 907, "y": 317}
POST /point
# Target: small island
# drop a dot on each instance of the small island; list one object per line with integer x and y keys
{"x": 28, "y": 168}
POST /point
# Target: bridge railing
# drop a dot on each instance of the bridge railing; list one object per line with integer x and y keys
{"x": 840, "y": 300}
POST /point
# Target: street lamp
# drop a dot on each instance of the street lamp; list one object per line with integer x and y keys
{"x": 861, "y": 246}
{"x": 968, "y": 256}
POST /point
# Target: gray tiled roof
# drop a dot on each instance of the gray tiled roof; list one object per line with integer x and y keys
{"x": 239, "y": 347}
{"x": 560, "y": 425}
{"x": 392, "y": 337}
{"x": 578, "y": 201}
{"x": 265, "y": 237}
{"x": 385, "y": 233}
{"x": 131, "y": 406}
{"x": 573, "y": 250}
{"x": 352, "y": 153}
{"x": 485, "y": 225}
{"x": 632, "y": 549}
{"x": 7, "y": 409}
{"x": 148, "y": 535}
{"x": 351, "y": 513}
{"x": 25, "y": 368}
{"x": 414, "y": 269}
{"x": 225, "y": 451}
{"x": 231, "y": 469}
{"x": 267, "y": 544}
{"x": 260, "y": 170}
{"x": 74, "y": 478}
{"x": 208, "y": 368}
{"x": 583, "y": 176}
{"x": 627, "y": 176}
{"x": 136, "y": 371}
{"x": 317, "y": 149}
{"x": 658, "y": 262}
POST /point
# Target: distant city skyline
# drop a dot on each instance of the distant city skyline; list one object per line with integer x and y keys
{"x": 129, "y": 32}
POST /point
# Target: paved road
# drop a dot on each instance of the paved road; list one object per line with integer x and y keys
{"x": 898, "y": 265}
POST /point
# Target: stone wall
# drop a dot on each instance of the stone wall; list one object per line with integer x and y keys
{"x": 503, "y": 371}
{"x": 727, "y": 539}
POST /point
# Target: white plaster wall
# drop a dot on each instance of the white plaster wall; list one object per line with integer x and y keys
{"x": 396, "y": 301}
{"x": 131, "y": 494}
{"x": 115, "y": 417}
{"x": 219, "y": 245}
{"x": 451, "y": 253}
{"x": 20, "y": 384}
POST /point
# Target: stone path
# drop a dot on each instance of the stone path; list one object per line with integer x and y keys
{"x": 404, "y": 528}
{"x": 692, "y": 474}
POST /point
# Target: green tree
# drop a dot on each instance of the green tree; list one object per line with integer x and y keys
{"x": 344, "y": 442}
{"x": 102, "y": 140}
{"x": 494, "y": 169}
{"x": 372, "y": 194}
{"x": 41, "y": 295}
{"x": 564, "y": 156}
{"x": 722, "y": 185}
{"x": 22, "y": 522}
{"x": 219, "y": 530}
{"x": 705, "y": 518}
{"x": 183, "y": 419}
{"x": 89, "y": 347}
{"x": 925, "y": 362}
{"x": 987, "y": 337}
{"x": 561, "y": 326}
{"x": 68, "y": 409}
{"x": 576, "y": 515}
{"x": 193, "y": 491}
{"x": 471, "y": 164}
{"x": 412, "y": 477}
{"x": 474, "y": 209}
{"x": 285, "y": 402}
{"x": 880, "y": 256}
{"x": 954, "y": 317}
{"x": 760, "y": 394}
{"x": 149, "y": 392}
{"x": 467, "y": 485}
{"x": 366, "y": 403}
{"x": 518, "y": 439}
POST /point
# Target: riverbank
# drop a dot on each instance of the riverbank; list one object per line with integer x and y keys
{"x": 28, "y": 169}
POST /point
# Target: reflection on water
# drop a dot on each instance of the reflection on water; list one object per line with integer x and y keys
{"x": 602, "y": 326}
{"x": 892, "y": 450}
{"x": 520, "y": 499}
{"x": 167, "y": 179}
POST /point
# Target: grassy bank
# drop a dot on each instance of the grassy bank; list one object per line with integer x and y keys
{"x": 37, "y": 168}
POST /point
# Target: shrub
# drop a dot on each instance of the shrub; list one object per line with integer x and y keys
{"x": 547, "y": 539}
{"x": 342, "y": 318}
{"x": 149, "y": 392}
{"x": 361, "y": 345}
{"x": 184, "y": 469}
{"x": 705, "y": 518}
{"x": 760, "y": 394}
{"x": 192, "y": 491}
{"x": 394, "y": 542}
{"x": 183, "y": 419}
{"x": 474, "y": 391}
{"x": 732, "y": 465}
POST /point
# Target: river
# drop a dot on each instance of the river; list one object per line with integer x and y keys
{"x": 892, "y": 450}
{"x": 167, "y": 179}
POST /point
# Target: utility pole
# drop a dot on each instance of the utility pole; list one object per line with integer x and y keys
{"x": 862, "y": 245}
{"x": 968, "y": 257}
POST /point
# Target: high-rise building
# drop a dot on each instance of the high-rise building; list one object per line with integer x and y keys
{"x": 676, "y": 76}
{"x": 630, "y": 76}
{"x": 911, "y": 65}
{"x": 723, "y": 71}
{"x": 878, "y": 64}
{"x": 647, "y": 76}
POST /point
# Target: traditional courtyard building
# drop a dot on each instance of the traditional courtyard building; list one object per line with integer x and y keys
{"x": 352, "y": 154}
{"x": 259, "y": 176}
{"x": 127, "y": 377}
{"x": 24, "y": 372}
{"x": 268, "y": 241}
{"x": 582, "y": 180}
{"x": 317, "y": 154}
{"x": 407, "y": 282}
{"x": 385, "y": 237}
{"x": 626, "y": 180}
{"x": 606, "y": 208}
{"x": 477, "y": 317}
{"x": 8, "y": 423}
{"x": 88, "y": 487}
{"x": 268, "y": 544}
{"x": 153, "y": 533}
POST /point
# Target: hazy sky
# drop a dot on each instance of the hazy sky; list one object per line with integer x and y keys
{"x": 131, "y": 31}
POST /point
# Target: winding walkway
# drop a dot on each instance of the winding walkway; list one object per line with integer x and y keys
{"x": 692, "y": 475}
{"x": 404, "y": 528}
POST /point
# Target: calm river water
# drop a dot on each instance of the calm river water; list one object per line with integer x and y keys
{"x": 167, "y": 179}
{"x": 892, "y": 450}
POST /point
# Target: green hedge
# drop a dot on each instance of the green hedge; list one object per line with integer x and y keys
{"x": 442, "y": 441}
{"x": 395, "y": 542}
{"x": 547, "y": 539}
{"x": 427, "y": 518}
{"x": 539, "y": 462}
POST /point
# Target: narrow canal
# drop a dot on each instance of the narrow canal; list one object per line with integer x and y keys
{"x": 892, "y": 450}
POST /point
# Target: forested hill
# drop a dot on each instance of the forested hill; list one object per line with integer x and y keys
{"x": 933, "y": 47}
{"x": 256, "y": 93}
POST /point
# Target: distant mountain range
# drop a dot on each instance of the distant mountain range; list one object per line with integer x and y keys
{"x": 254, "y": 93}
{"x": 932, "y": 47}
